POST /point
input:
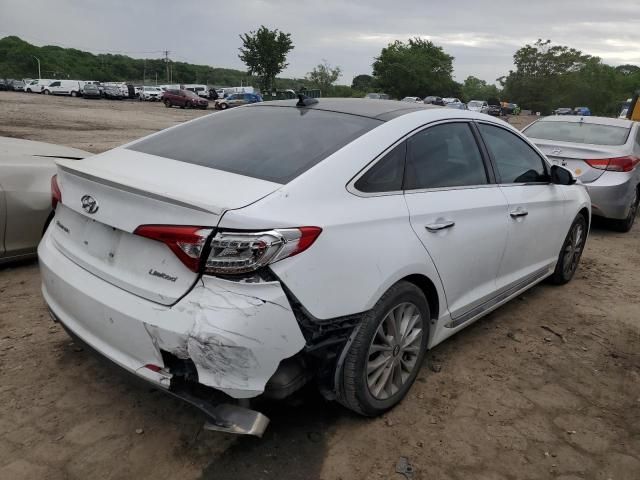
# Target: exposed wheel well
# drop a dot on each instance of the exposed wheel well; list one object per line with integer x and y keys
{"x": 585, "y": 213}
{"x": 429, "y": 290}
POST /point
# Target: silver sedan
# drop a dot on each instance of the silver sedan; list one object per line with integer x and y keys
{"x": 26, "y": 169}
{"x": 603, "y": 153}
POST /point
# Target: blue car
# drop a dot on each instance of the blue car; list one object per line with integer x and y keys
{"x": 584, "y": 111}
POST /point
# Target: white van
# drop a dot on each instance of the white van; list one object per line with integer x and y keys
{"x": 63, "y": 87}
{"x": 199, "y": 89}
{"x": 36, "y": 86}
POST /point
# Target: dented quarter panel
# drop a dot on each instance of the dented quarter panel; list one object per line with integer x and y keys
{"x": 240, "y": 334}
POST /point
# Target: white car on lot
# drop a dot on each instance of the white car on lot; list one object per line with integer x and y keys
{"x": 150, "y": 93}
{"x": 478, "y": 106}
{"x": 339, "y": 244}
{"x": 72, "y": 88}
{"x": 604, "y": 153}
{"x": 36, "y": 86}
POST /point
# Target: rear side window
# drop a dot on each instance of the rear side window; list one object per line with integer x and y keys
{"x": 515, "y": 160}
{"x": 578, "y": 132}
{"x": 444, "y": 155}
{"x": 386, "y": 175}
{"x": 270, "y": 143}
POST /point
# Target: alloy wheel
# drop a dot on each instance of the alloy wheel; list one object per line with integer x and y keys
{"x": 394, "y": 350}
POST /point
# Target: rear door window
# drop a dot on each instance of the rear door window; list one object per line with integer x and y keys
{"x": 266, "y": 142}
{"x": 444, "y": 155}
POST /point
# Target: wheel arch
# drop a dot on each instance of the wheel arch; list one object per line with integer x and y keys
{"x": 427, "y": 286}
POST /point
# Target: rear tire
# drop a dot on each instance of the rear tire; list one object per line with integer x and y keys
{"x": 46, "y": 92}
{"x": 187, "y": 105}
{"x": 571, "y": 252}
{"x": 223, "y": 106}
{"x": 627, "y": 224}
{"x": 74, "y": 94}
{"x": 383, "y": 360}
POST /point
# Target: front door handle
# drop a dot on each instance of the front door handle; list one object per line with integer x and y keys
{"x": 434, "y": 227}
{"x": 518, "y": 212}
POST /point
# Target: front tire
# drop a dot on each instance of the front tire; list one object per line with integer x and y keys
{"x": 571, "y": 252}
{"x": 387, "y": 352}
{"x": 167, "y": 103}
{"x": 46, "y": 92}
{"x": 625, "y": 225}
{"x": 74, "y": 94}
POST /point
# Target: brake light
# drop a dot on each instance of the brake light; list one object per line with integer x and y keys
{"x": 187, "y": 242}
{"x": 56, "y": 194}
{"x": 243, "y": 252}
{"x": 617, "y": 164}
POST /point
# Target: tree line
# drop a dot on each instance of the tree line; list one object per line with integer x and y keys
{"x": 546, "y": 76}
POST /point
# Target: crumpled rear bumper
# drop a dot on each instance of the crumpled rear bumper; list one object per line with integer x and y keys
{"x": 235, "y": 333}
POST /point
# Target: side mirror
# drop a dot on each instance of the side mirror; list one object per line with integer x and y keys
{"x": 561, "y": 176}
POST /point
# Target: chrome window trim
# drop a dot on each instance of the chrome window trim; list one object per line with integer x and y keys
{"x": 351, "y": 184}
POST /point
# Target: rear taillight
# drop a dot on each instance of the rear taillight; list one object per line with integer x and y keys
{"x": 617, "y": 164}
{"x": 243, "y": 252}
{"x": 56, "y": 194}
{"x": 187, "y": 242}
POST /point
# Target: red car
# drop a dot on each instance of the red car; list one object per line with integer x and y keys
{"x": 183, "y": 99}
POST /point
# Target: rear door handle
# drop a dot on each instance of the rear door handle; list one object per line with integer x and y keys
{"x": 434, "y": 227}
{"x": 518, "y": 212}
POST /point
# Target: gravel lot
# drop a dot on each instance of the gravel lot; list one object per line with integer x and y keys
{"x": 546, "y": 387}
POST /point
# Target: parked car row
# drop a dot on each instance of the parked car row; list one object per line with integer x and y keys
{"x": 583, "y": 111}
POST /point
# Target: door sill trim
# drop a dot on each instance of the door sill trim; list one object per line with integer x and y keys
{"x": 500, "y": 298}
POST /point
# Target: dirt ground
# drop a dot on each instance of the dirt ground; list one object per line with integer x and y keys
{"x": 546, "y": 387}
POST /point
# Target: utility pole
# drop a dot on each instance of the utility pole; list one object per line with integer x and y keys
{"x": 166, "y": 61}
{"x": 38, "y": 60}
{"x": 156, "y": 78}
{"x": 144, "y": 73}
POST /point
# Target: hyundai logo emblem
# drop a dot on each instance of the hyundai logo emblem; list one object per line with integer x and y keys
{"x": 89, "y": 204}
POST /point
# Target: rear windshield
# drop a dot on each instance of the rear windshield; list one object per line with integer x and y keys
{"x": 578, "y": 132}
{"x": 270, "y": 143}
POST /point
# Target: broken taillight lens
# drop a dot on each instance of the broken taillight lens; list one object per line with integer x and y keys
{"x": 56, "y": 194}
{"x": 243, "y": 252}
{"x": 187, "y": 242}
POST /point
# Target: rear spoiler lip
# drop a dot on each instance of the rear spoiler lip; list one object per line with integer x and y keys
{"x": 137, "y": 191}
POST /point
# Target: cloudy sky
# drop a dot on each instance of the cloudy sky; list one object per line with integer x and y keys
{"x": 482, "y": 35}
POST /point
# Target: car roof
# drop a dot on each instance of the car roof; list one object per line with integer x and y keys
{"x": 614, "y": 122}
{"x": 377, "y": 109}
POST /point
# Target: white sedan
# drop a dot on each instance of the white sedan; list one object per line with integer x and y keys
{"x": 342, "y": 242}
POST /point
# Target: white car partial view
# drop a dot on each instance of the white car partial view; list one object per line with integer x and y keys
{"x": 36, "y": 86}
{"x": 342, "y": 242}
{"x": 478, "y": 106}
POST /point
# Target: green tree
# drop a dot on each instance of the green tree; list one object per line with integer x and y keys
{"x": 264, "y": 52}
{"x": 324, "y": 76}
{"x": 417, "y": 67}
{"x": 475, "y": 89}
{"x": 549, "y": 76}
{"x": 363, "y": 83}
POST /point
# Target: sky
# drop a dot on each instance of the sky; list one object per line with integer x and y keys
{"x": 482, "y": 35}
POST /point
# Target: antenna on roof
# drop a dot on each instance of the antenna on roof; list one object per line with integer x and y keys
{"x": 304, "y": 101}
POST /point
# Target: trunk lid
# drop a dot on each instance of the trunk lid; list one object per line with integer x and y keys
{"x": 131, "y": 189}
{"x": 574, "y": 156}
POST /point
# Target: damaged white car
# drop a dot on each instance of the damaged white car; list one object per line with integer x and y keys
{"x": 335, "y": 244}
